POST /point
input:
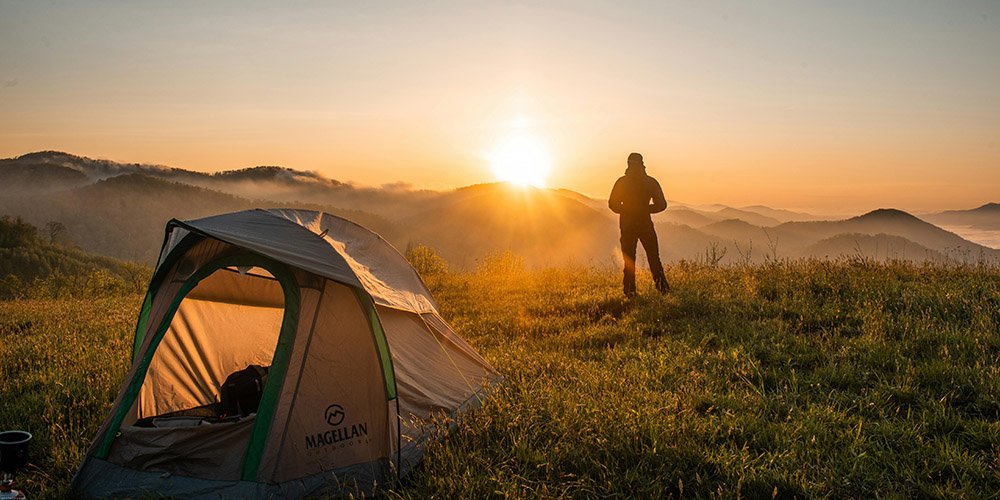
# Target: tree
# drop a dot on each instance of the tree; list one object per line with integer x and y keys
{"x": 14, "y": 233}
{"x": 55, "y": 229}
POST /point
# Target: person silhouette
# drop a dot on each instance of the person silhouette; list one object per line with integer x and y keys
{"x": 634, "y": 198}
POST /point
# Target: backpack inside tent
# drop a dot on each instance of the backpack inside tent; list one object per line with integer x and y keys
{"x": 280, "y": 353}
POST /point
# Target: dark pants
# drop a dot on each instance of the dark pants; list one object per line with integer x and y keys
{"x": 632, "y": 233}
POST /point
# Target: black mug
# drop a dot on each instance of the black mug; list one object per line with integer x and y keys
{"x": 13, "y": 450}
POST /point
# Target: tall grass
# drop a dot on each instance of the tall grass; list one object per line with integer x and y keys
{"x": 785, "y": 379}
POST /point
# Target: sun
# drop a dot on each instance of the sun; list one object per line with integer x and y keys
{"x": 521, "y": 159}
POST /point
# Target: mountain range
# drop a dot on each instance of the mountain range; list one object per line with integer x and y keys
{"x": 119, "y": 209}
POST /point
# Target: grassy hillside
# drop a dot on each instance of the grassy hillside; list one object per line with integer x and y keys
{"x": 849, "y": 379}
{"x": 31, "y": 265}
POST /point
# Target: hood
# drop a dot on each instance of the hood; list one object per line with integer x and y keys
{"x": 635, "y": 171}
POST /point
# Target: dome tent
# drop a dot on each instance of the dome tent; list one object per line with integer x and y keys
{"x": 356, "y": 362}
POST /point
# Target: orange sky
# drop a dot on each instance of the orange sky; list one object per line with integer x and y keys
{"x": 831, "y": 107}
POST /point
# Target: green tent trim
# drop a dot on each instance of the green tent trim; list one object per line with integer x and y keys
{"x": 378, "y": 334}
{"x": 161, "y": 271}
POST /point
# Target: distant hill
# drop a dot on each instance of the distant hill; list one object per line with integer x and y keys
{"x": 695, "y": 217}
{"x": 760, "y": 241}
{"x": 600, "y": 205}
{"x": 781, "y": 215}
{"x": 881, "y": 247}
{"x": 735, "y": 229}
{"x": 96, "y": 169}
{"x": 29, "y": 177}
{"x": 746, "y": 216}
{"x": 124, "y": 216}
{"x": 879, "y": 234}
{"x": 121, "y": 216}
{"x": 685, "y": 216}
{"x": 273, "y": 183}
{"x": 119, "y": 210}
{"x": 897, "y": 223}
{"x": 544, "y": 226}
{"x": 986, "y": 217}
{"x": 681, "y": 242}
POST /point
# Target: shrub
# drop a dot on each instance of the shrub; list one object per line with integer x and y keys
{"x": 11, "y": 287}
{"x": 426, "y": 260}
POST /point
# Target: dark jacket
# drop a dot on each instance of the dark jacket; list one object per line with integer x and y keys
{"x": 631, "y": 197}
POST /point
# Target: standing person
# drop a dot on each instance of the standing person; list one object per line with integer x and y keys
{"x": 634, "y": 197}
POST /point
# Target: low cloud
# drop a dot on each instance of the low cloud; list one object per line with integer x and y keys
{"x": 398, "y": 186}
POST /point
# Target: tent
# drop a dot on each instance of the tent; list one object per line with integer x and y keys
{"x": 355, "y": 368}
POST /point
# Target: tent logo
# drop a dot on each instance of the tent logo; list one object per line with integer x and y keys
{"x": 335, "y": 415}
{"x": 341, "y": 435}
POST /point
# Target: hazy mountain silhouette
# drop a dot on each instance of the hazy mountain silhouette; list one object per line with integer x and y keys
{"x": 781, "y": 215}
{"x": 737, "y": 230}
{"x": 103, "y": 169}
{"x": 702, "y": 215}
{"x": 685, "y": 216}
{"x": 28, "y": 176}
{"x": 682, "y": 242}
{"x": 746, "y": 216}
{"x": 757, "y": 216}
{"x": 99, "y": 169}
{"x": 121, "y": 216}
{"x": 897, "y": 223}
{"x": 124, "y": 216}
{"x": 600, "y": 205}
{"x": 878, "y": 246}
{"x": 986, "y": 217}
{"x": 544, "y": 226}
{"x": 263, "y": 182}
{"x": 885, "y": 233}
{"x": 119, "y": 210}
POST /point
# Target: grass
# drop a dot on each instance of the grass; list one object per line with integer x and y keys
{"x": 61, "y": 365}
{"x": 805, "y": 379}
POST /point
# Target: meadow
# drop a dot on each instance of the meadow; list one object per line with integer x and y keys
{"x": 785, "y": 379}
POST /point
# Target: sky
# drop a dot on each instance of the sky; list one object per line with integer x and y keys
{"x": 827, "y": 106}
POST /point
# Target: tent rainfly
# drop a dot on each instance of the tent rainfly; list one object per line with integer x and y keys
{"x": 280, "y": 353}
